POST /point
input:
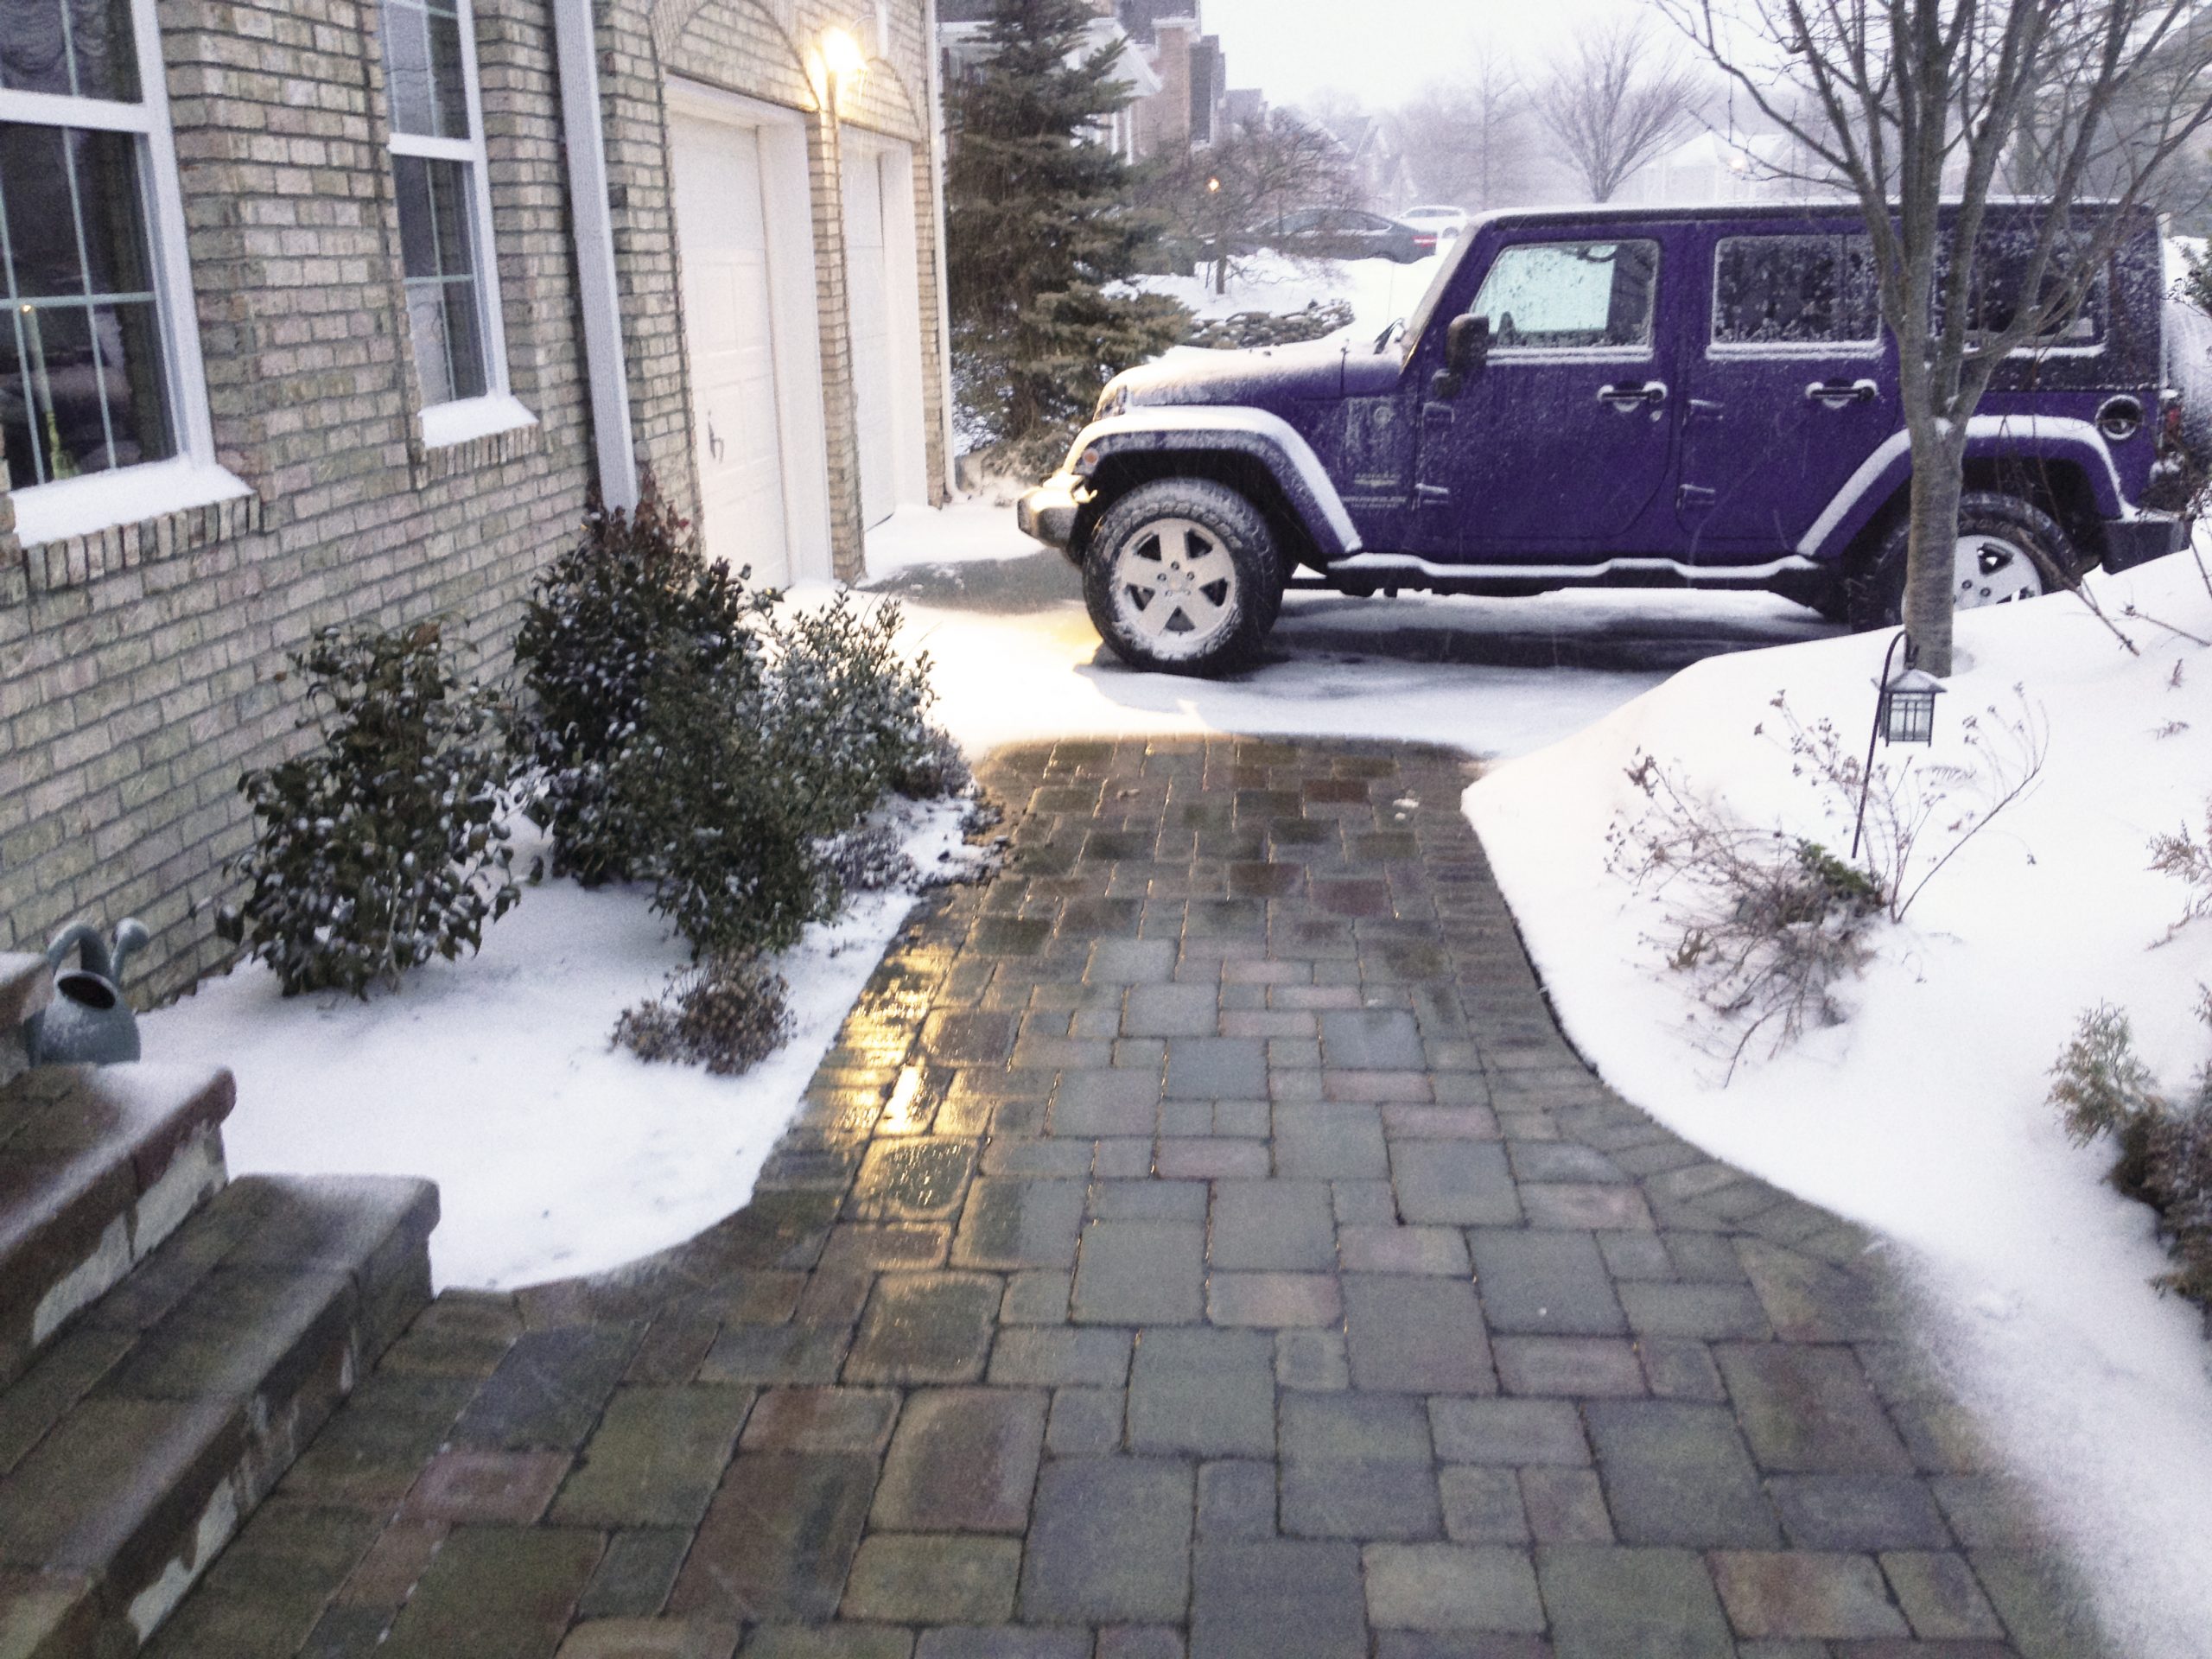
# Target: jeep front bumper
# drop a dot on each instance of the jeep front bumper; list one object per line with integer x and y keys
{"x": 1048, "y": 513}
{"x": 2147, "y": 535}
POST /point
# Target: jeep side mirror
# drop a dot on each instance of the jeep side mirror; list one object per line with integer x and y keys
{"x": 1466, "y": 350}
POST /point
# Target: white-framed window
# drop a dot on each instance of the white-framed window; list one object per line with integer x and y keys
{"x": 445, "y": 219}
{"x": 103, "y": 407}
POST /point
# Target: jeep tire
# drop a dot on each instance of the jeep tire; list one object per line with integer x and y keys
{"x": 2008, "y": 549}
{"x": 1183, "y": 577}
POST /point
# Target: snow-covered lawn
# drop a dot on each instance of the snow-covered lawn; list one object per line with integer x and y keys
{"x": 1380, "y": 291}
{"x": 1924, "y": 1115}
{"x": 554, "y": 1152}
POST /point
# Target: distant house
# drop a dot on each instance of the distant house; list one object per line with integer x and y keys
{"x": 325, "y": 314}
{"x": 1379, "y": 163}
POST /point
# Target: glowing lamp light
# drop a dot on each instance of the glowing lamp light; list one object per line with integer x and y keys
{"x": 1213, "y": 186}
{"x": 842, "y": 55}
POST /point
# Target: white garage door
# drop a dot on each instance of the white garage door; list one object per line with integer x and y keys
{"x": 885, "y": 309}
{"x": 728, "y": 314}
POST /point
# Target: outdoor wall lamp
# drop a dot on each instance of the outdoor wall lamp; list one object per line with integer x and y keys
{"x": 843, "y": 64}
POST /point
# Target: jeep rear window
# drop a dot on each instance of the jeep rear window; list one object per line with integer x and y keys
{"x": 1570, "y": 296}
{"x": 1786, "y": 291}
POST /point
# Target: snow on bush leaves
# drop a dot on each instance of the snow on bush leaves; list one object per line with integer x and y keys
{"x": 608, "y": 616}
{"x": 383, "y": 847}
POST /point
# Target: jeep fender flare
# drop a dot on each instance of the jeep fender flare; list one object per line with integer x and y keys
{"x": 1989, "y": 437}
{"x": 1255, "y": 433}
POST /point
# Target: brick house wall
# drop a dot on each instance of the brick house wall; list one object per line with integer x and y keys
{"x": 142, "y": 669}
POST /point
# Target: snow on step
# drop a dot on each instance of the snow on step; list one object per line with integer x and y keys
{"x": 98, "y": 1166}
{"x": 137, "y": 1444}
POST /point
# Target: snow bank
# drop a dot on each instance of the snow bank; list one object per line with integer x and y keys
{"x": 1380, "y": 291}
{"x": 1924, "y": 1116}
{"x": 554, "y": 1153}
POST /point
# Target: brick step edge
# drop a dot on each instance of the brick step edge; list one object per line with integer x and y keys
{"x": 99, "y": 1165}
{"x": 182, "y": 1398}
{"x": 26, "y": 986}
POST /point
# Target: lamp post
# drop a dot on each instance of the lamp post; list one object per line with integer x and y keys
{"x": 1905, "y": 712}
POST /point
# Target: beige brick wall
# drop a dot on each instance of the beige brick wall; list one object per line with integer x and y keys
{"x": 142, "y": 669}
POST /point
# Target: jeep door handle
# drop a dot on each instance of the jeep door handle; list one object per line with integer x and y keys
{"x": 1634, "y": 395}
{"x": 1841, "y": 394}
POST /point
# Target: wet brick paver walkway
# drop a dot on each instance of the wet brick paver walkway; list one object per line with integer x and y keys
{"x": 1200, "y": 1242}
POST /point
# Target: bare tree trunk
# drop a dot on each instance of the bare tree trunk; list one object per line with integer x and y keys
{"x": 1937, "y": 462}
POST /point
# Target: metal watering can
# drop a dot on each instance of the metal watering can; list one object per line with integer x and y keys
{"x": 88, "y": 1023}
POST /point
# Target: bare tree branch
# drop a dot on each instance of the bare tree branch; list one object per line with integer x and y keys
{"x": 1609, "y": 113}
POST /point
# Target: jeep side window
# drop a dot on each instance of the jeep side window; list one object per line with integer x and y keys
{"x": 1573, "y": 295}
{"x": 1773, "y": 290}
{"x": 2000, "y": 274}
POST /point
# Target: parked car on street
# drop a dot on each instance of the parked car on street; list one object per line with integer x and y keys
{"x": 1347, "y": 233}
{"x": 1446, "y": 222}
{"x": 1614, "y": 397}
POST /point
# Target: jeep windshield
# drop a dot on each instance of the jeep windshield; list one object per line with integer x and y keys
{"x": 1417, "y": 325}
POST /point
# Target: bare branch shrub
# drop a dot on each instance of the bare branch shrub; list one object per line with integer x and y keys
{"x": 1769, "y": 924}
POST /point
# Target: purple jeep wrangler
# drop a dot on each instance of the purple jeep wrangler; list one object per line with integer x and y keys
{"x": 1698, "y": 397}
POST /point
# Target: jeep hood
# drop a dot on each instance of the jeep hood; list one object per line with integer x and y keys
{"x": 1268, "y": 375}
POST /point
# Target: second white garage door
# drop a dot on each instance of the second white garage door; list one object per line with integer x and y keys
{"x": 885, "y": 302}
{"x": 753, "y": 374}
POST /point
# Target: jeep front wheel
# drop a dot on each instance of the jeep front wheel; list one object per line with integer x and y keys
{"x": 1180, "y": 577}
{"x": 2007, "y": 549}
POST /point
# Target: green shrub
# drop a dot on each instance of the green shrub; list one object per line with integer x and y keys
{"x": 383, "y": 847}
{"x": 2103, "y": 1087}
{"x": 607, "y": 618}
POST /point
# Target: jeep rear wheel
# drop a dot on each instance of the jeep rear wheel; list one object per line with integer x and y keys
{"x": 2008, "y": 549}
{"x": 1182, "y": 577}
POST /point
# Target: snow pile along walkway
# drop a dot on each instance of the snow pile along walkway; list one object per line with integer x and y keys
{"x": 1924, "y": 1115}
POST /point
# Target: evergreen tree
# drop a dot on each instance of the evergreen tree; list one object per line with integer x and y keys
{"x": 1040, "y": 227}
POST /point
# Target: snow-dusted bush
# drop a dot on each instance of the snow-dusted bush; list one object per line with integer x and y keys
{"x": 2103, "y": 1087}
{"x": 868, "y": 859}
{"x": 381, "y": 848}
{"x": 633, "y": 594}
{"x": 727, "y": 1014}
{"x": 848, "y": 709}
{"x": 2181, "y": 855}
{"x": 2099, "y": 1082}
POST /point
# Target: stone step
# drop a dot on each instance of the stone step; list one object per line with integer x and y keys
{"x": 26, "y": 986}
{"x": 138, "y": 1444}
{"x": 98, "y": 1166}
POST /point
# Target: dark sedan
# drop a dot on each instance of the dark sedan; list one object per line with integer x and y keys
{"x": 1348, "y": 233}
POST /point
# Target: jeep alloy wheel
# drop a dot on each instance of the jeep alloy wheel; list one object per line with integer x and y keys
{"x": 1993, "y": 569}
{"x": 2007, "y": 549}
{"x": 1174, "y": 587}
{"x": 1179, "y": 577}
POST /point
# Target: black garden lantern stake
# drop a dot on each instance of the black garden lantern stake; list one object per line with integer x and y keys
{"x": 1905, "y": 712}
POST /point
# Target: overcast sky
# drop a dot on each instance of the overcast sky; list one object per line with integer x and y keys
{"x": 1382, "y": 51}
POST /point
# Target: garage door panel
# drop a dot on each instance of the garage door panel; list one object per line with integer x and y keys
{"x": 728, "y": 317}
